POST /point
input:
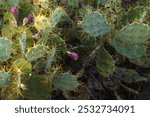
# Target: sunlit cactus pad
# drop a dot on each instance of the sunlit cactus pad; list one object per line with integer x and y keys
{"x": 5, "y": 49}
{"x": 36, "y": 52}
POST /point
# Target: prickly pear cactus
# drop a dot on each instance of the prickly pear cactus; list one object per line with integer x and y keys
{"x": 66, "y": 82}
{"x": 5, "y": 49}
{"x": 130, "y": 40}
{"x": 129, "y": 75}
{"x": 42, "y": 24}
{"x": 22, "y": 41}
{"x": 50, "y": 58}
{"x": 94, "y": 23}
{"x": 36, "y": 52}
{"x": 128, "y": 49}
{"x": 56, "y": 16}
{"x": 134, "y": 33}
{"x": 104, "y": 63}
{"x": 4, "y": 78}
{"x": 24, "y": 66}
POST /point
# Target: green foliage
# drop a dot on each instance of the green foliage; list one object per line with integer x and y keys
{"x": 104, "y": 62}
{"x": 66, "y": 82}
{"x": 102, "y": 33}
{"x": 4, "y": 78}
{"x": 94, "y": 24}
{"x": 5, "y": 49}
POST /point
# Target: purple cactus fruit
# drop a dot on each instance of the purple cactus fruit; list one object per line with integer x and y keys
{"x": 25, "y": 21}
{"x": 73, "y": 55}
{"x": 30, "y": 18}
{"x": 14, "y": 10}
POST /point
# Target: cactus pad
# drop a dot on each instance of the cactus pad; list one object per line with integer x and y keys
{"x": 128, "y": 49}
{"x": 4, "y": 78}
{"x": 56, "y": 16}
{"x": 104, "y": 63}
{"x": 129, "y": 75}
{"x": 50, "y": 58}
{"x": 42, "y": 24}
{"x": 95, "y": 24}
{"x": 66, "y": 82}
{"x": 135, "y": 33}
{"x": 36, "y": 52}
{"x": 5, "y": 49}
{"x": 24, "y": 66}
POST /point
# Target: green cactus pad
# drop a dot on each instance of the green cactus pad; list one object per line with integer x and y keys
{"x": 129, "y": 75}
{"x": 56, "y": 16}
{"x": 142, "y": 61}
{"x": 135, "y": 33}
{"x": 8, "y": 29}
{"x": 36, "y": 52}
{"x": 55, "y": 40}
{"x": 128, "y": 49}
{"x": 134, "y": 14}
{"x": 4, "y": 78}
{"x": 24, "y": 66}
{"x": 22, "y": 41}
{"x": 104, "y": 63}
{"x": 36, "y": 90}
{"x": 95, "y": 24}
{"x": 66, "y": 82}
{"x": 5, "y": 49}
{"x": 13, "y": 2}
{"x": 50, "y": 58}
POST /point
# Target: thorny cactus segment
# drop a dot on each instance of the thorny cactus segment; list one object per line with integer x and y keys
{"x": 24, "y": 66}
{"x": 36, "y": 52}
{"x": 135, "y": 33}
{"x": 22, "y": 41}
{"x": 4, "y": 78}
{"x": 42, "y": 24}
{"x": 5, "y": 49}
{"x": 50, "y": 58}
{"x": 95, "y": 25}
{"x": 56, "y": 16}
{"x": 66, "y": 82}
{"x": 104, "y": 62}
